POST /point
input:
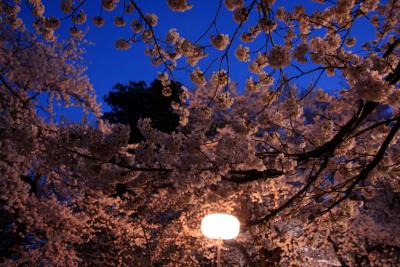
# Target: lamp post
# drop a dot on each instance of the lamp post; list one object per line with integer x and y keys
{"x": 220, "y": 226}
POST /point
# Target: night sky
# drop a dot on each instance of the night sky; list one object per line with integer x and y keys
{"x": 108, "y": 66}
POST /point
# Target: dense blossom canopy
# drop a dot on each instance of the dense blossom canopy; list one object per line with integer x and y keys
{"x": 312, "y": 174}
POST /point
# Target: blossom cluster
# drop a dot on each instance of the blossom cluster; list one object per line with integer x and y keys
{"x": 312, "y": 172}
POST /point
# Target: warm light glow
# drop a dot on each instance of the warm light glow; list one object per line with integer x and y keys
{"x": 220, "y": 226}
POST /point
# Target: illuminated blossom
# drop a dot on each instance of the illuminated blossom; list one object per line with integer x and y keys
{"x": 38, "y": 8}
{"x": 333, "y": 40}
{"x": 109, "y": 5}
{"x": 372, "y": 86}
{"x": 242, "y": 53}
{"x": 52, "y": 23}
{"x": 79, "y": 18}
{"x": 240, "y": 15}
{"x": 251, "y": 85}
{"x": 220, "y": 78}
{"x": 129, "y": 8}
{"x": 166, "y": 91}
{"x": 220, "y": 41}
{"x": 163, "y": 76}
{"x": 151, "y": 19}
{"x": 98, "y": 21}
{"x": 264, "y": 79}
{"x": 279, "y": 56}
{"x": 266, "y": 25}
{"x": 261, "y": 60}
{"x": 75, "y": 32}
{"x": 122, "y": 44}
{"x": 192, "y": 52}
{"x": 300, "y": 52}
{"x": 233, "y": 4}
{"x": 246, "y": 37}
{"x": 179, "y": 5}
{"x": 66, "y": 6}
{"x": 259, "y": 63}
{"x": 350, "y": 41}
{"x": 119, "y": 21}
{"x": 225, "y": 100}
{"x": 369, "y": 5}
{"x": 197, "y": 77}
{"x": 172, "y": 36}
{"x": 17, "y": 23}
{"x": 136, "y": 26}
{"x": 147, "y": 35}
{"x": 281, "y": 13}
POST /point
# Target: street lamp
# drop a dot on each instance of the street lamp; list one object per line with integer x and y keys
{"x": 220, "y": 226}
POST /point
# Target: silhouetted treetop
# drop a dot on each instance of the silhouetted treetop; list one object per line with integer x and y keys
{"x": 135, "y": 100}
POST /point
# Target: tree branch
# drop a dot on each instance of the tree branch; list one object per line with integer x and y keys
{"x": 291, "y": 200}
{"x": 246, "y": 176}
{"x": 363, "y": 175}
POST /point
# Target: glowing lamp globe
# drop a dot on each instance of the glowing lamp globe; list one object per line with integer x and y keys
{"x": 220, "y": 226}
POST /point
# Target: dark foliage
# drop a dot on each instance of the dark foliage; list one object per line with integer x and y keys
{"x": 133, "y": 101}
{"x": 9, "y": 239}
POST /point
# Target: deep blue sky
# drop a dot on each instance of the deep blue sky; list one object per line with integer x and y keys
{"x": 107, "y": 65}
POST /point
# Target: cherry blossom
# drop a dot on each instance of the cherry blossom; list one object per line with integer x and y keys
{"x": 310, "y": 168}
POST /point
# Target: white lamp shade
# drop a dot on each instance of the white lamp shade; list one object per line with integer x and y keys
{"x": 220, "y": 226}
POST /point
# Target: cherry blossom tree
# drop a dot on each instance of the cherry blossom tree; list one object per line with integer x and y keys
{"x": 312, "y": 174}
